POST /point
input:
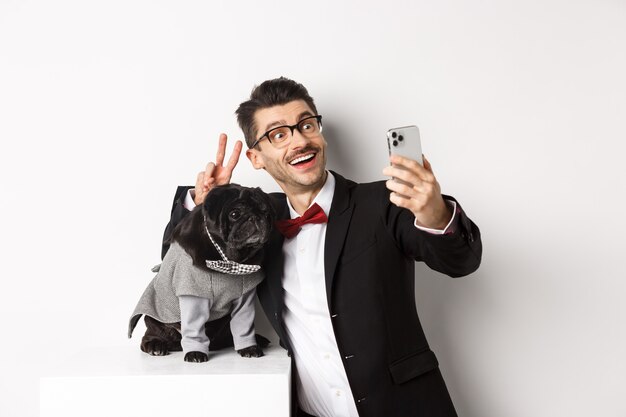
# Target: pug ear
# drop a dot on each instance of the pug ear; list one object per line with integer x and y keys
{"x": 216, "y": 199}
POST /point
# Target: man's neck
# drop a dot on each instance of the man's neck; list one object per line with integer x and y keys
{"x": 301, "y": 198}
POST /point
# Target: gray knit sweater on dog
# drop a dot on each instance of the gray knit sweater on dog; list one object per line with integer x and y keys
{"x": 178, "y": 277}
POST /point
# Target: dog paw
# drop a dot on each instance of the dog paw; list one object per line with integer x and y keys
{"x": 262, "y": 341}
{"x": 251, "y": 352}
{"x": 196, "y": 357}
{"x": 156, "y": 348}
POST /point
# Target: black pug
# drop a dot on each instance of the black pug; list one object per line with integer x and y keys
{"x": 208, "y": 278}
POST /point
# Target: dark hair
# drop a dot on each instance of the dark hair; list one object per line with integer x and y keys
{"x": 268, "y": 94}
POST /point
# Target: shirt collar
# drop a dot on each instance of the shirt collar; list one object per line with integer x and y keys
{"x": 324, "y": 198}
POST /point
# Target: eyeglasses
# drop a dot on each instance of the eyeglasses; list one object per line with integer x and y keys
{"x": 309, "y": 127}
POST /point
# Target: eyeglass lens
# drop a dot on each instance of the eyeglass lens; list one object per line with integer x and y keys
{"x": 308, "y": 127}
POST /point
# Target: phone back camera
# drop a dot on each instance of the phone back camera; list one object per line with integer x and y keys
{"x": 395, "y": 143}
{"x": 394, "y": 134}
{"x": 400, "y": 138}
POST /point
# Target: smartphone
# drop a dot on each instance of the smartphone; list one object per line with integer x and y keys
{"x": 405, "y": 141}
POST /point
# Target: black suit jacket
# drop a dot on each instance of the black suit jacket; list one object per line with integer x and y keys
{"x": 369, "y": 260}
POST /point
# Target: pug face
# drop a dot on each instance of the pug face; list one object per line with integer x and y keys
{"x": 239, "y": 218}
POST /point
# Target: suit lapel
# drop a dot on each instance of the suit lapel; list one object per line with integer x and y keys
{"x": 336, "y": 230}
{"x": 338, "y": 222}
{"x": 275, "y": 259}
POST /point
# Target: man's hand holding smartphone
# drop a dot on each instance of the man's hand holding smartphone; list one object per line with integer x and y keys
{"x": 417, "y": 189}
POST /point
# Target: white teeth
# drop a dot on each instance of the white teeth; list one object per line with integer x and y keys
{"x": 302, "y": 158}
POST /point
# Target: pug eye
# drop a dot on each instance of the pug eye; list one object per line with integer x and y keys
{"x": 234, "y": 215}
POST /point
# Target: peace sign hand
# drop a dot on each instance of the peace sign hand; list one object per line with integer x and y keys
{"x": 416, "y": 188}
{"x": 216, "y": 173}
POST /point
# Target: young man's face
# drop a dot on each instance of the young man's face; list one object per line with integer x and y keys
{"x": 281, "y": 160}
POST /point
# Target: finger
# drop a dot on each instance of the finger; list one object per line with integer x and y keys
{"x": 403, "y": 174}
{"x": 401, "y": 188}
{"x": 408, "y": 163}
{"x": 400, "y": 200}
{"x": 208, "y": 173}
{"x": 427, "y": 165}
{"x": 221, "y": 150}
{"x": 415, "y": 193}
{"x": 415, "y": 205}
{"x": 234, "y": 158}
{"x": 199, "y": 181}
{"x": 200, "y": 197}
{"x": 411, "y": 165}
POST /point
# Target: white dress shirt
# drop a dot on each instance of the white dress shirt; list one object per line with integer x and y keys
{"x": 321, "y": 379}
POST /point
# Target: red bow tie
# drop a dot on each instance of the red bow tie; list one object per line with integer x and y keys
{"x": 291, "y": 227}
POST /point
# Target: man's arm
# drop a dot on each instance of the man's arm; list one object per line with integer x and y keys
{"x": 455, "y": 254}
{"x": 417, "y": 201}
{"x": 179, "y": 211}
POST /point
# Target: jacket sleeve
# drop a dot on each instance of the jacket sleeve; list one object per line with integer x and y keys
{"x": 177, "y": 214}
{"x": 455, "y": 254}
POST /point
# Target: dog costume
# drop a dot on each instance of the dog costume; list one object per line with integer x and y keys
{"x": 183, "y": 292}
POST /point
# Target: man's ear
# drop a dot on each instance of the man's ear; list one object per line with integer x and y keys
{"x": 255, "y": 158}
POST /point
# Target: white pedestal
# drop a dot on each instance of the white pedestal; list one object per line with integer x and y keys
{"x": 124, "y": 381}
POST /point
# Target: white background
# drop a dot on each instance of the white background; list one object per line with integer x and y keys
{"x": 106, "y": 106}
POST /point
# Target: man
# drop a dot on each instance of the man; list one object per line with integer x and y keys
{"x": 339, "y": 288}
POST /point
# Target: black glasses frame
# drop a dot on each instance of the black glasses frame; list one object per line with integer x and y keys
{"x": 292, "y": 128}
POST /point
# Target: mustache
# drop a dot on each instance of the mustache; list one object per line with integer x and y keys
{"x": 301, "y": 152}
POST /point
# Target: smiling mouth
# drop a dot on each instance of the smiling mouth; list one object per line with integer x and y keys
{"x": 302, "y": 159}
